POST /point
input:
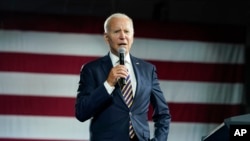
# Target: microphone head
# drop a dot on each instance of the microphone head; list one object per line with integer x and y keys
{"x": 121, "y": 49}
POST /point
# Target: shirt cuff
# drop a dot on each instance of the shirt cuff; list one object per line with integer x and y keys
{"x": 108, "y": 87}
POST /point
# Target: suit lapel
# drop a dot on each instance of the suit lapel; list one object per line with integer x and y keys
{"x": 136, "y": 67}
{"x": 106, "y": 64}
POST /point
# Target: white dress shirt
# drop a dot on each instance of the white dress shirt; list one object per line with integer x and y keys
{"x": 128, "y": 64}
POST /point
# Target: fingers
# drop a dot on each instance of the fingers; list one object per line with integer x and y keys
{"x": 119, "y": 71}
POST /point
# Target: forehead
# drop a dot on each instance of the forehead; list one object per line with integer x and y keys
{"x": 120, "y": 22}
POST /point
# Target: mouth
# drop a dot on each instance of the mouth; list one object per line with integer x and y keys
{"x": 122, "y": 44}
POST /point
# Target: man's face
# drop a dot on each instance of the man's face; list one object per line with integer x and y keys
{"x": 120, "y": 33}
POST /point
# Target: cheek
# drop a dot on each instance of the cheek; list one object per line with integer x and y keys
{"x": 112, "y": 39}
{"x": 131, "y": 40}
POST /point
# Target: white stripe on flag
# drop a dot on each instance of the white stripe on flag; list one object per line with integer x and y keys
{"x": 202, "y": 92}
{"x": 183, "y": 51}
{"x": 35, "y": 127}
{"x": 189, "y": 131}
{"x": 36, "y": 84}
{"x": 93, "y": 45}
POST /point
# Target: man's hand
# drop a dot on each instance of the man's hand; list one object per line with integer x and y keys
{"x": 119, "y": 71}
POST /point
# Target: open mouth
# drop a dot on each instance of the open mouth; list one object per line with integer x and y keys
{"x": 122, "y": 44}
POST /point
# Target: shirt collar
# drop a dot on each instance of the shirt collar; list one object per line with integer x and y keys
{"x": 115, "y": 59}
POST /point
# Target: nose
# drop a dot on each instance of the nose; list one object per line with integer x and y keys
{"x": 122, "y": 35}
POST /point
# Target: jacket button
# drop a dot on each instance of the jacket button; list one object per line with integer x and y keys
{"x": 130, "y": 113}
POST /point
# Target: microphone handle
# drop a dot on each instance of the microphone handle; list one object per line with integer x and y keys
{"x": 122, "y": 81}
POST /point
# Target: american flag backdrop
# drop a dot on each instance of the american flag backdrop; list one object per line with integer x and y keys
{"x": 200, "y": 68}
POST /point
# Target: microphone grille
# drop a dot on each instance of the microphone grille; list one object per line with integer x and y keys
{"x": 121, "y": 49}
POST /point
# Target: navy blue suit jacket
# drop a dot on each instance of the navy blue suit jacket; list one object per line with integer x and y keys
{"x": 109, "y": 114}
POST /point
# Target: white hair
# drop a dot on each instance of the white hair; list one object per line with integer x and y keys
{"x": 116, "y": 15}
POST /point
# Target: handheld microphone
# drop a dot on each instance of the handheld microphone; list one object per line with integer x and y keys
{"x": 122, "y": 50}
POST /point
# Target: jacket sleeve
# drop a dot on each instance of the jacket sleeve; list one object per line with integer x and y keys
{"x": 161, "y": 114}
{"x": 92, "y": 96}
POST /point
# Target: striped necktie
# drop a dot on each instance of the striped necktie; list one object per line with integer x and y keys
{"x": 127, "y": 93}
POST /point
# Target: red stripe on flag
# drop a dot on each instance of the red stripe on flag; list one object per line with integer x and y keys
{"x": 41, "y": 63}
{"x": 208, "y": 72}
{"x": 164, "y": 30}
{"x": 58, "y": 106}
{"x": 60, "y": 64}
{"x": 36, "y": 105}
{"x": 198, "y": 112}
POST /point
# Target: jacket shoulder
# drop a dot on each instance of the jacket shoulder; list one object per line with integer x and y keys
{"x": 142, "y": 62}
{"x": 95, "y": 63}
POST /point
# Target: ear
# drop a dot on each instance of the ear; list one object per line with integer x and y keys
{"x": 106, "y": 38}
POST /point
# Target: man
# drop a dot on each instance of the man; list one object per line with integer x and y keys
{"x": 115, "y": 117}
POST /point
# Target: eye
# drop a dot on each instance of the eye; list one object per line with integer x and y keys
{"x": 117, "y": 31}
{"x": 126, "y": 31}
